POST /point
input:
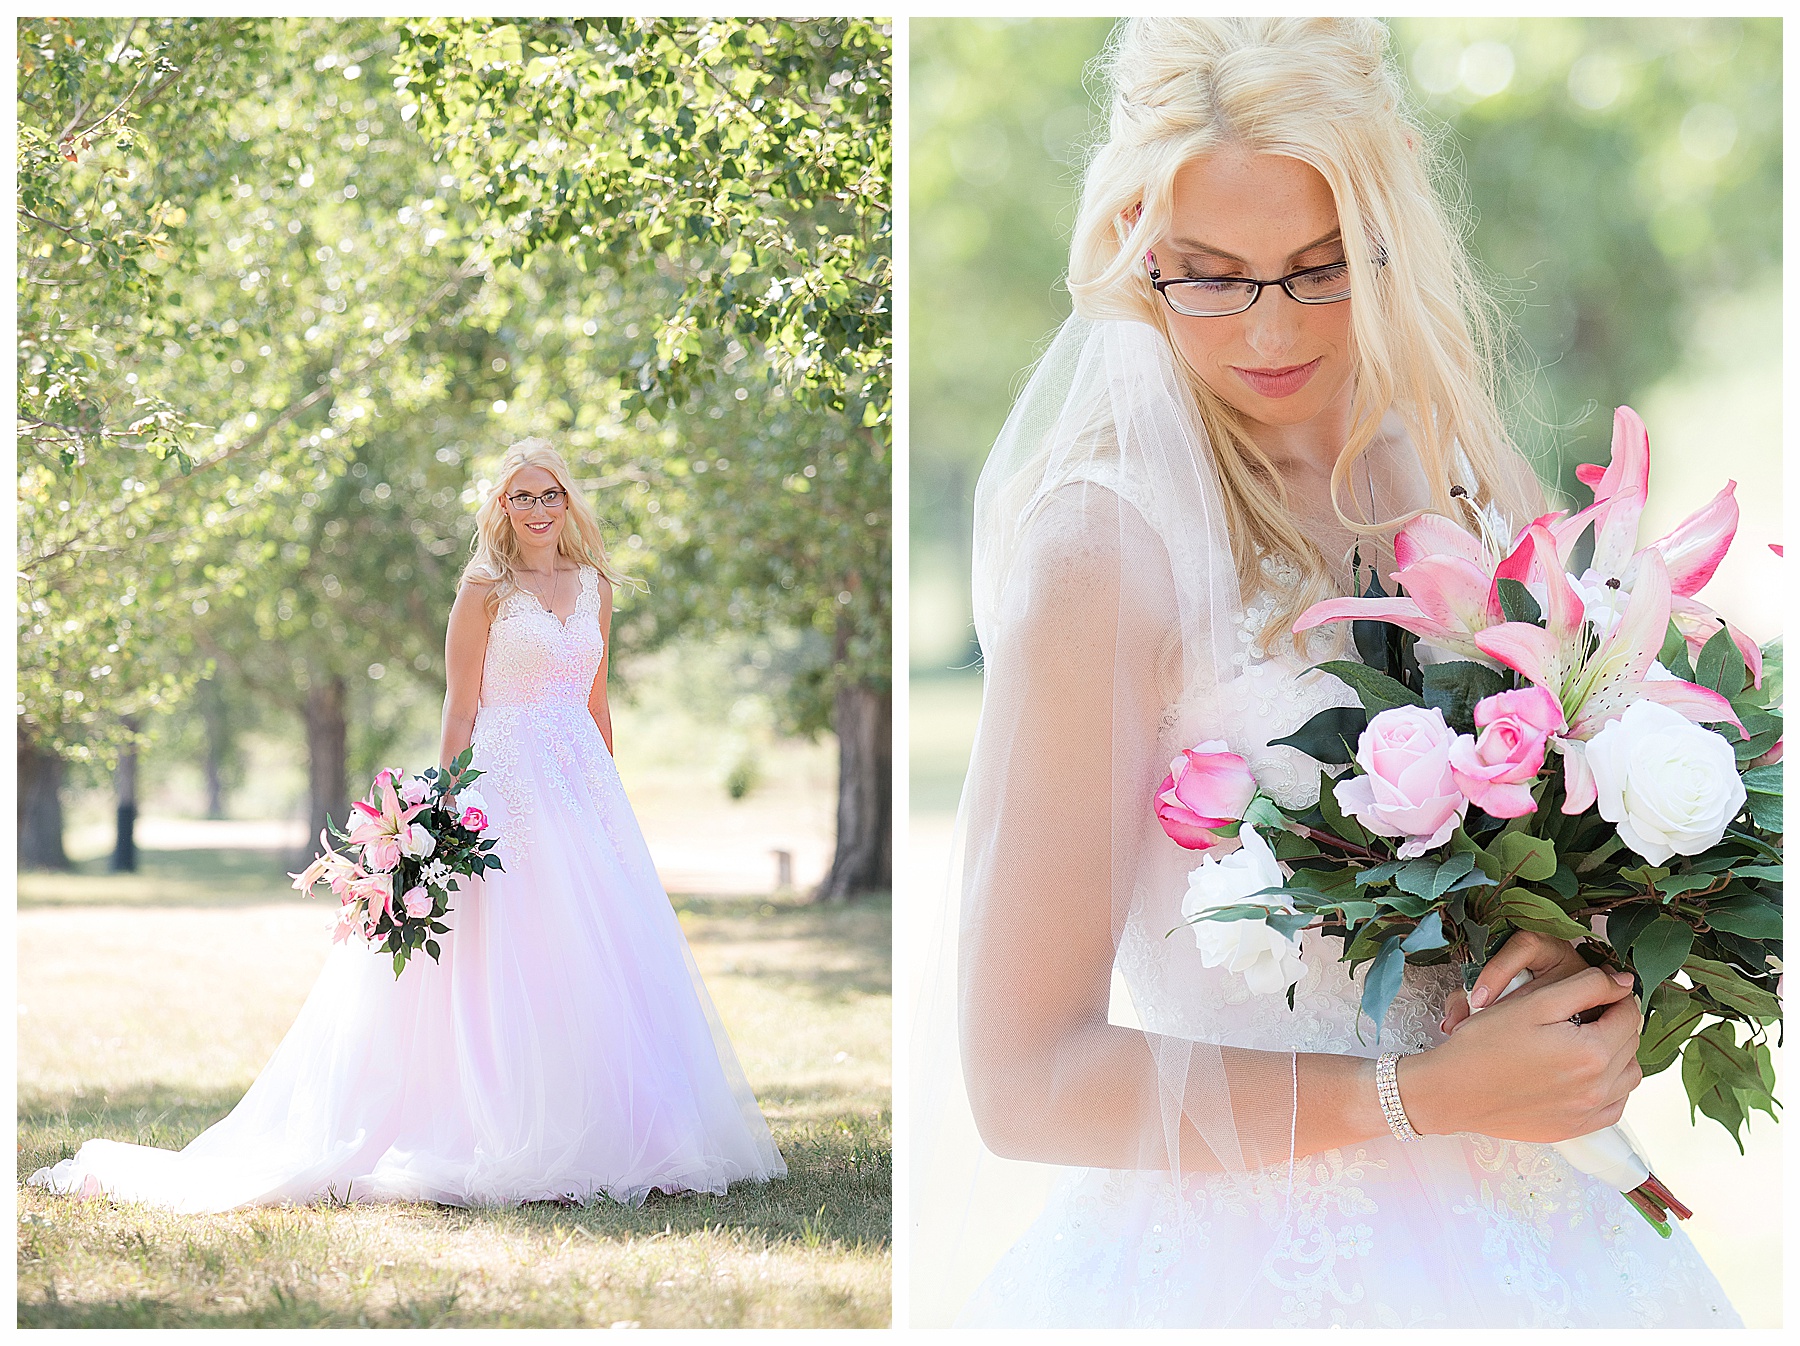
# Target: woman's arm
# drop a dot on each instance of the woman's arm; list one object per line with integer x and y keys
{"x": 465, "y": 648}
{"x": 1070, "y": 706}
{"x": 597, "y": 704}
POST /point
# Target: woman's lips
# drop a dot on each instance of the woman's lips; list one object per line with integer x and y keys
{"x": 1283, "y": 382}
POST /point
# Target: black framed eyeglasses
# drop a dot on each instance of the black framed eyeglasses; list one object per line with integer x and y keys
{"x": 1204, "y": 297}
{"x": 551, "y": 499}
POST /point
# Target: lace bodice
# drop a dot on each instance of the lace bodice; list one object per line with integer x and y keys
{"x": 535, "y": 659}
{"x": 1267, "y": 698}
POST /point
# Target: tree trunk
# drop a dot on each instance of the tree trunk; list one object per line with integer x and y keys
{"x": 124, "y": 860}
{"x": 863, "y": 718}
{"x": 327, "y": 755}
{"x": 40, "y": 808}
{"x": 218, "y": 745}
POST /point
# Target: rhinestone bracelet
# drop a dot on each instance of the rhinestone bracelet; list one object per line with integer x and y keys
{"x": 1387, "y": 1088}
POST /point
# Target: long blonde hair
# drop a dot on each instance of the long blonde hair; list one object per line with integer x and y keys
{"x": 1426, "y": 333}
{"x": 494, "y": 551}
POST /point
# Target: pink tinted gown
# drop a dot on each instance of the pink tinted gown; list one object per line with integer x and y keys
{"x": 563, "y": 1046}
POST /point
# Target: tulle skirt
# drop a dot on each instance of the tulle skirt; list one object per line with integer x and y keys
{"x": 1448, "y": 1231}
{"x": 563, "y": 1046}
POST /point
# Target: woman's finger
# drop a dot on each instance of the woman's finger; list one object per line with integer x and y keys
{"x": 1456, "y": 1009}
{"x": 1583, "y": 991}
{"x": 1527, "y": 951}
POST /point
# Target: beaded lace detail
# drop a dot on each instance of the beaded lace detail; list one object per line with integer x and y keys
{"x": 537, "y": 674}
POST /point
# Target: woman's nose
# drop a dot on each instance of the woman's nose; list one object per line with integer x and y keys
{"x": 1273, "y": 322}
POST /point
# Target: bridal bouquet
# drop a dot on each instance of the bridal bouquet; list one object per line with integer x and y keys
{"x": 1598, "y": 760}
{"x": 416, "y": 838}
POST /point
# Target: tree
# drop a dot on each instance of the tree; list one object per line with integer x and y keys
{"x": 745, "y": 165}
{"x": 294, "y": 278}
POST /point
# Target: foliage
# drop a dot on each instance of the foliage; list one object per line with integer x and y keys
{"x": 301, "y": 250}
{"x": 750, "y": 157}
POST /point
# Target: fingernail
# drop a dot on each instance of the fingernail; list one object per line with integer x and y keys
{"x": 1444, "y": 1025}
{"x": 1481, "y": 996}
{"x": 1623, "y": 978}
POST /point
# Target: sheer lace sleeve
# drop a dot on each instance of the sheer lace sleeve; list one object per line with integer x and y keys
{"x": 1058, "y": 819}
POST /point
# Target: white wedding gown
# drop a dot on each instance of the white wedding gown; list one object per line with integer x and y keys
{"x": 1457, "y": 1231}
{"x": 563, "y": 1046}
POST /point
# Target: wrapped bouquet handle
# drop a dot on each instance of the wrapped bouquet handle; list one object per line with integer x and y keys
{"x": 1609, "y": 1155}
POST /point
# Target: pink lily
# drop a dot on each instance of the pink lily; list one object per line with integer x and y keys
{"x": 379, "y": 830}
{"x": 1447, "y": 573}
{"x": 331, "y": 866}
{"x": 1595, "y": 679}
{"x": 1691, "y": 551}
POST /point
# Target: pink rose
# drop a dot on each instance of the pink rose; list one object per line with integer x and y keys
{"x": 473, "y": 819}
{"x": 414, "y": 791}
{"x": 1207, "y": 788}
{"x": 386, "y": 776}
{"x": 417, "y": 901}
{"x": 1406, "y": 789}
{"x": 1496, "y": 770}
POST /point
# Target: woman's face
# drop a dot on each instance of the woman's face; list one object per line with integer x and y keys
{"x": 537, "y": 525}
{"x": 1259, "y": 217}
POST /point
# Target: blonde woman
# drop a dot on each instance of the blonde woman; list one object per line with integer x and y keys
{"x": 1278, "y": 355}
{"x": 562, "y": 1047}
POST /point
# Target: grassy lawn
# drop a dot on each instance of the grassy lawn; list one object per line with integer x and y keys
{"x": 148, "y": 1003}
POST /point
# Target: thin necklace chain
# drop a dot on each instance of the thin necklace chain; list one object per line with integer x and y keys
{"x": 555, "y": 574}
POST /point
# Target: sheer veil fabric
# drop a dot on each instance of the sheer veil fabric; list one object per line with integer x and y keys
{"x": 1068, "y": 1038}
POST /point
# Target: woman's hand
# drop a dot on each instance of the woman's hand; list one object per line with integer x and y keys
{"x": 1521, "y": 1070}
{"x": 1547, "y": 958}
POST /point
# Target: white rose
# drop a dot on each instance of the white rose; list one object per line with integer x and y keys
{"x": 417, "y": 841}
{"x": 1671, "y": 786}
{"x": 1268, "y": 960}
{"x": 470, "y": 799}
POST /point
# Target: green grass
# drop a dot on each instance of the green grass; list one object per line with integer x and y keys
{"x": 125, "y": 985}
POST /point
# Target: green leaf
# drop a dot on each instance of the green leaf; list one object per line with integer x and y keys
{"x": 1672, "y": 1020}
{"x": 1531, "y": 858}
{"x": 1747, "y": 915}
{"x": 1530, "y": 911}
{"x": 1677, "y": 884}
{"x": 431, "y": 947}
{"x": 1337, "y": 822}
{"x": 1455, "y": 687}
{"x": 1382, "y": 982}
{"x": 1674, "y": 654}
{"x": 1710, "y": 1095}
{"x": 1517, "y": 603}
{"x": 1330, "y": 736}
{"x": 1355, "y": 912}
{"x": 1380, "y": 873}
{"x": 1624, "y": 924}
{"x": 1721, "y": 666}
{"x": 1564, "y": 882}
{"x": 1428, "y": 934}
{"x": 1724, "y": 985}
{"x": 1376, "y": 691}
{"x": 1265, "y": 814}
{"x": 1659, "y": 949}
{"x": 1765, "y": 811}
{"x": 1764, "y": 779}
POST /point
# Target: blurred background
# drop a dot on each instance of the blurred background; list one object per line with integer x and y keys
{"x": 1622, "y": 179}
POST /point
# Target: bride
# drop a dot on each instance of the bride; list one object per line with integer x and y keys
{"x": 1277, "y": 356}
{"x": 563, "y": 1045}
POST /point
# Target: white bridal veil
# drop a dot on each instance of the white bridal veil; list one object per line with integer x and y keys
{"x": 1113, "y": 633}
